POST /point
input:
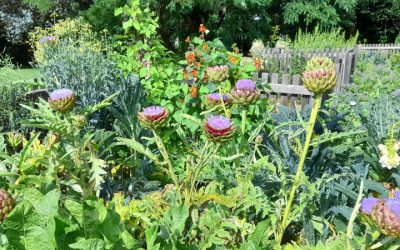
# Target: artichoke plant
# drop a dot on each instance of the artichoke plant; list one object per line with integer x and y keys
{"x": 319, "y": 80}
{"x": 153, "y": 117}
{"x": 218, "y": 128}
{"x": 386, "y": 214}
{"x": 6, "y": 204}
{"x": 218, "y": 74}
{"x": 245, "y": 92}
{"x": 62, "y": 100}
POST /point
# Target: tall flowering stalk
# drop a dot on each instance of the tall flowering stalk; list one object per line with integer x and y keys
{"x": 319, "y": 77}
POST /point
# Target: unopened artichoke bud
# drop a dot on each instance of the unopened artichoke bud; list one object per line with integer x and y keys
{"x": 14, "y": 139}
{"x": 386, "y": 214}
{"x": 217, "y": 74}
{"x": 153, "y": 117}
{"x": 319, "y": 80}
{"x": 319, "y": 63}
{"x": 218, "y": 128}
{"x": 245, "y": 92}
{"x": 6, "y": 204}
{"x": 215, "y": 99}
{"x": 62, "y": 100}
{"x": 80, "y": 121}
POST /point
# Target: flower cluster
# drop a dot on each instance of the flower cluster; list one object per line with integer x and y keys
{"x": 389, "y": 154}
{"x": 384, "y": 212}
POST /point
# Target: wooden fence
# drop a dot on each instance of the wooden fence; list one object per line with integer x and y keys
{"x": 286, "y": 83}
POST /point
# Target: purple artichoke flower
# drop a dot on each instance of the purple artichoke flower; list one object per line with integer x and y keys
{"x": 367, "y": 204}
{"x": 218, "y": 128}
{"x": 386, "y": 214}
{"x": 214, "y": 99}
{"x": 245, "y": 92}
{"x": 397, "y": 195}
{"x": 153, "y": 117}
{"x": 62, "y": 100}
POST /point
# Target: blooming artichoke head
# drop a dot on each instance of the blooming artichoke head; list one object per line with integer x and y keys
{"x": 153, "y": 117}
{"x": 218, "y": 128}
{"x": 214, "y": 99}
{"x": 6, "y": 204}
{"x": 386, "y": 214}
{"x": 319, "y": 63}
{"x": 367, "y": 204}
{"x": 319, "y": 80}
{"x": 217, "y": 74}
{"x": 62, "y": 100}
{"x": 245, "y": 92}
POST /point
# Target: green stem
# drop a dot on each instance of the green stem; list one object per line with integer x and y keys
{"x": 310, "y": 129}
{"x": 164, "y": 153}
{"x": 222, "y": 101}
{"x": 243, "y": 129}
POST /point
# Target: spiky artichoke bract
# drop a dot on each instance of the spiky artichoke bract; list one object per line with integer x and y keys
{"x": 6, "y": 204}
{"x": 319, "y": 79}
{"x": 319, "y": 63}
{"x": 218, "y": 128}
{"x": 386, "y": 214}
{"x": 245, "y": 92}
{"x": 62, "y": 100}
{"x": 153, "y": 117}
{"x": 217, "y": 74}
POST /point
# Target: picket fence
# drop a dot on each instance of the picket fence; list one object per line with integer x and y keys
{"x": 287, "y": 88}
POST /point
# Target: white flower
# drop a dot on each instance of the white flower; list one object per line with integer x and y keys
{"x": 389, "y": 157}
{"x": 353, "y": 103}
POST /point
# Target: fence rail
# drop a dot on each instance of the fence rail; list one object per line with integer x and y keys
{"x": 286, "y": 85}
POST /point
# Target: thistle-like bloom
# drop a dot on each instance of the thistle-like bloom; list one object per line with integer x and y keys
{"x": 215, "y": 99}
{"x": 218, "y": 128}
{"x": 245, "y": 92}
{"x": 47, "y": 39}
{"x": 62, "y": 100}
{"x": 218, "y": 74}
{"x": 389, "y": 156}
{"x": 153, "y": 117}
{"x": 319, "y": 80}
{"x": 386, "y": 214}
{"x": 367, "y": 204}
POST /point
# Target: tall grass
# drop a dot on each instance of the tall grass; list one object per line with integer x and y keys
{"x": 334, "y": 38}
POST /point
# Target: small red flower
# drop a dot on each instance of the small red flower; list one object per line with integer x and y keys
{"x": 194, "y": 73}
{"x": 202, "y": 28}
{"x": 204, "y": 47}
{"x": 191, "y": 58}
{"x": 187, "y": 40}
{"x": 186, "y": 75}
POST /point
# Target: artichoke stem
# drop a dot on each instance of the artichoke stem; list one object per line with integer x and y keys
{"x": 295, "y": 184}
{"x": 222, "y": 102}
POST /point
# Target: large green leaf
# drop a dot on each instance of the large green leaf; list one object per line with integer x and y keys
{"x": 90, "y": 244}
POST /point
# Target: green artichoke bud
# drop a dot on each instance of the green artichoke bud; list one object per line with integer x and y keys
{"x": 79, "y": 121}
{"x": 217, "y": 74}
{"x": 218, "y": 128}
{"x": 386, "y": 214}
{"x": 14, "y": 139}
{"x": 319, "y": 63}
{"x": 6, "y": 204}
{"x": 153, "y": 117}
{"x": 319, "y": 80}
{"x": 62, "y": 100}
{"x": 245, "y": 92}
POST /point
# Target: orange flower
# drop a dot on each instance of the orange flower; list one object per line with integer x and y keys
{"x": 194, "y": 73}
{"x": 202, "y": 28}
{"x": 187, "y": 40}
{"x": 186, "y": 75}
{"x": 205, "y": 77}
{"x": 258, "y": 62}
{"x": 198, "y": 64}
{"x": 233, "y": 59}
{"x": 191, "y": 58}
{"x": 205, "y": 46}
{"x": 193, "y": 91}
